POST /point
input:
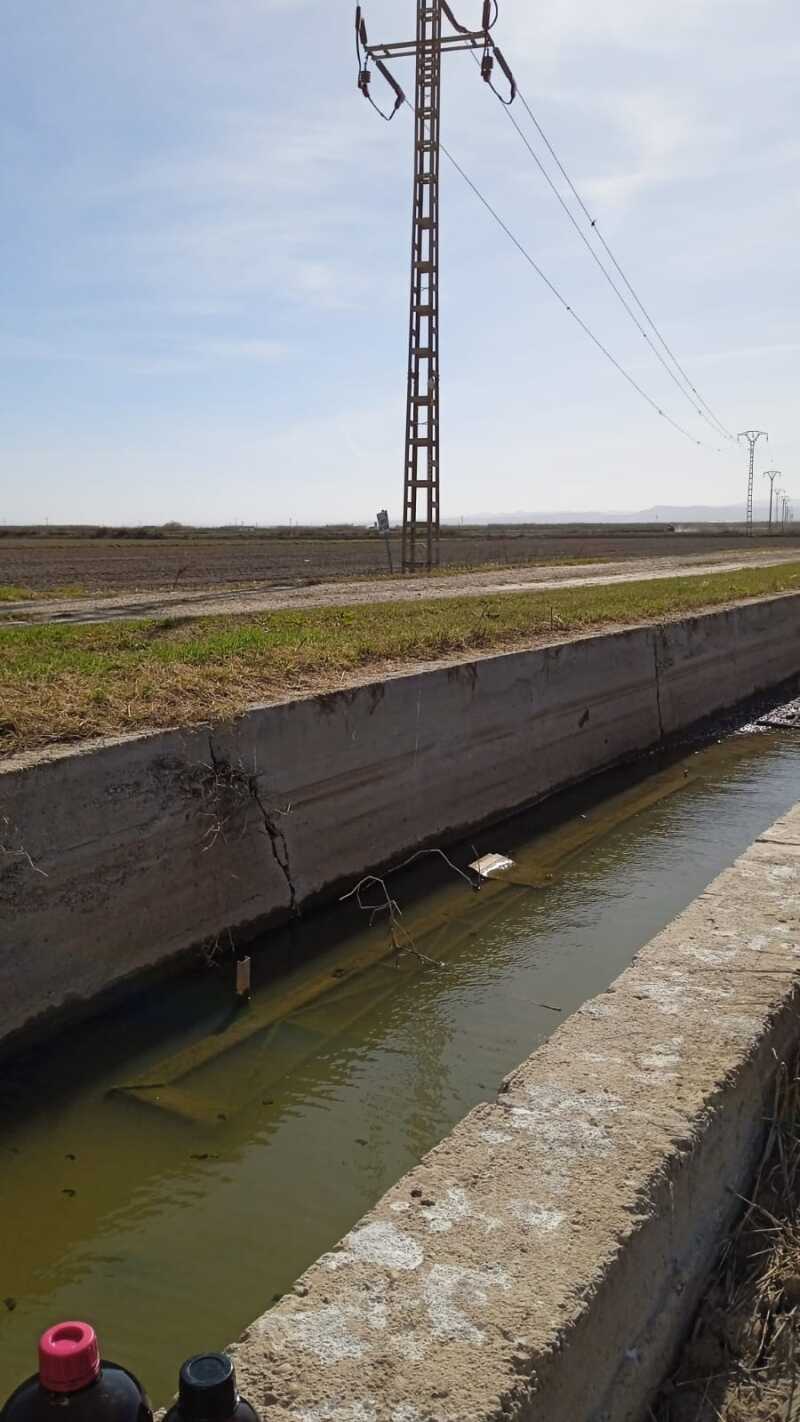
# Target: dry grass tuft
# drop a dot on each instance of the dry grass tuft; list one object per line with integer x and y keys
{"x": 740, "y": 1363}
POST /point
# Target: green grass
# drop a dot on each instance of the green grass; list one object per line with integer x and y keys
{"x": 8, "y": 593}
{"x": 65, "y": 683}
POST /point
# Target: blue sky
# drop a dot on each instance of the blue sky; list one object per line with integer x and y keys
{"x": 205, "y": 236}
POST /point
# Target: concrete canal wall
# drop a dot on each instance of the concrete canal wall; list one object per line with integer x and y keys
{"x": 544, "y": 1261}
{"x": 119, "y": 857}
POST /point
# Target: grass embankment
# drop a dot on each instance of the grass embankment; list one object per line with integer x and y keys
{"x": 65, "y": 683}
{"x": 10, "y": 593}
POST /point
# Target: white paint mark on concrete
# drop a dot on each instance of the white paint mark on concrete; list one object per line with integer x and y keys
{"x": 337, "y": 1410}
{"x": 384, "y": 1244}
{"x": 537, "y": 1217}
{"x": 326, "y": 1332}
{"x": 739, "y": 1022}
{"x": 661, "y": 1062}
{"x": 441, "y": 1217}
{"x": 595, "y": 1009}
{"x": 783, "y": 873}
{"x": 494, "y": 1138}
{"x": 338, "y": 1260}
{"x": 449, "y": 1290}
{"x": 675, "y": 996}
{"x": 669, "y": 998}
{"x": 377, "y": 1316}
{"x": 409, "y": 1346}
{"x": 712, "y": 959}
{"x": 658, "y": 1064}
{"x": 376, "y": 1313}
{"x": 567, "y": 1123}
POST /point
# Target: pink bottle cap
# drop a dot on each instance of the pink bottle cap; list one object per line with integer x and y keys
{"x": 69, "y": 1357}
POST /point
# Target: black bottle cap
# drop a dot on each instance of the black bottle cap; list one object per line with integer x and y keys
{"x": 207, "y": 1388}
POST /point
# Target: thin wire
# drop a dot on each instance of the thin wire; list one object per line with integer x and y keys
{"x": 593, "y": 224}
{"x": 713, "y": 422}
{"x": 563, "y": 302}
{"x": 698, "y": 408}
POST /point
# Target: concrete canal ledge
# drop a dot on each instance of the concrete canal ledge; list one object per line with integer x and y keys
{"x": 545, "y": 1259}
{"x": 119, "y": 857}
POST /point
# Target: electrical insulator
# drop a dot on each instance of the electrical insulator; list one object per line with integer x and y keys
{"x": 487, "y": 68}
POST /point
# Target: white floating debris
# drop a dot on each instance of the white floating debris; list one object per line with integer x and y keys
{"x": 490, "y": 864}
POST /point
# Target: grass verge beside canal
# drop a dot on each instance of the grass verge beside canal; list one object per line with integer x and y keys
{"x": 9, "y": 592}
{"x": 70, "y": 683}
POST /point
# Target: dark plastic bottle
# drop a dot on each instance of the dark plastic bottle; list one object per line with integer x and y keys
{"x": 72, "y": 1378}
{"x": 207, "y": 1392}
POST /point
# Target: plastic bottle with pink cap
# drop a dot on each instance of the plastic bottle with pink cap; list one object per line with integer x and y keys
{"x": 75, "y": 1379}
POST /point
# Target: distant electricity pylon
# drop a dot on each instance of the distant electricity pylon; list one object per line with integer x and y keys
{"x": 421, "y": 466}
{"x": 752, "y": 437}
{"x": 772, "y": 475}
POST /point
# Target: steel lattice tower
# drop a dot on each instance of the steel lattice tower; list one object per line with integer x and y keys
{"x": 752, "y": 437}
{"x": 421, "y": 474}
{"x": 772, "y": 475}
{"x": 421, "y": 460}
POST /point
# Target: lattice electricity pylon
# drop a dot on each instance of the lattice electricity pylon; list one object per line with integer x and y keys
{"x": 772, "y": 475}
{"x": 421, "y": 465}
{"x": 752, "y": 437}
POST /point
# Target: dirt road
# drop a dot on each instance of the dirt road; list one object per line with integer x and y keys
{"x": 182, "y": 605}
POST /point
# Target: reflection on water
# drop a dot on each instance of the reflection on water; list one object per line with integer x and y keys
{"x": 169, "y": 1170}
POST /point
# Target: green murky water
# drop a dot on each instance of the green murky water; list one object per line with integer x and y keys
{"x": 170, "y": 1212}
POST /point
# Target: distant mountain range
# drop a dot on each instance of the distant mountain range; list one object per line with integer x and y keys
{"x": 659, "y": 513}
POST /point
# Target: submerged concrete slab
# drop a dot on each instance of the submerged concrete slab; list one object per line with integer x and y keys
{"x": 543, "y": 1261}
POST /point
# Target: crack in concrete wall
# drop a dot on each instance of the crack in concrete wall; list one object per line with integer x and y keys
{"x": 279, "y": 845}
{"x": 234, "y": 775}
{"x": 657, "y": 677}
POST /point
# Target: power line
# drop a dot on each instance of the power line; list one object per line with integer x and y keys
{"x": 593, "y": 225}
{"x": 698, "y": 408}
{"x": 563, "y": 301}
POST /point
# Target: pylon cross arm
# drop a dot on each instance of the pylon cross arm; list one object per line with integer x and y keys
{"x": 407, "y": 49}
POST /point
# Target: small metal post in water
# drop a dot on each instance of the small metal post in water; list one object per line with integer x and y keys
{"x": 243, "y": 966}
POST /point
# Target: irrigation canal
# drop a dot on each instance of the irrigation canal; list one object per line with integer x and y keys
{"x": 168, "y": 1170}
